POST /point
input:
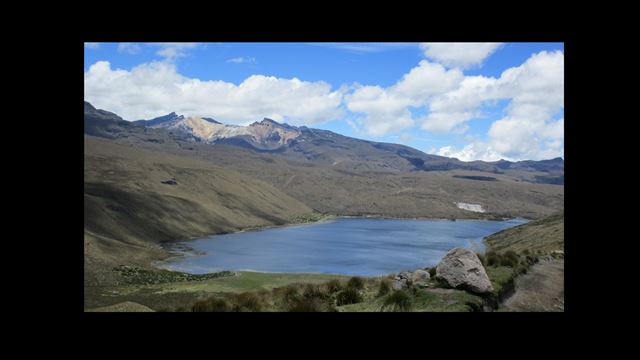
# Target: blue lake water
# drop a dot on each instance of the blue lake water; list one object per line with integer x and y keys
{"x": 349, "y": 246}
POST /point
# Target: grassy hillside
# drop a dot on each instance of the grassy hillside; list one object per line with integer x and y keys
{"x": 135, "y": 200}
{"x": 546, "y": 234}
{"x": 349, "y": 188}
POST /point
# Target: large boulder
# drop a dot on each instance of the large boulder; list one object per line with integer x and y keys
{"x": 461, "y": 268}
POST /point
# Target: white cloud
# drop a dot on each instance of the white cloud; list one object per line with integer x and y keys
{"x": 386, "y": 110}
{"x": 441, "y": 123}
{"x": 91, "y": 45}
{"x": 172, "y": 51}
{"x": 528, "y": 130}
{"x": 242, "y": 60}
{"x": 426, "y": 80}
{"x": 129, "y": 48}
{"x": 156, "y": 88}
{"x": 462, "y": 55}
{"x": 471, "y": 152}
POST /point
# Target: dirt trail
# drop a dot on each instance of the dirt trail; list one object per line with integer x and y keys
{"x": 540, "y": 289}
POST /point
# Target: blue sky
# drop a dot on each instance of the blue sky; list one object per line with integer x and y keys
{"x": 448, "y": 99}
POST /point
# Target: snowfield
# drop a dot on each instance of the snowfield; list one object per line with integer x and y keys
{"x": 470, "y": 207}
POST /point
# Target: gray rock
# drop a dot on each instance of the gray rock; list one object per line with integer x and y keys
{"x": 403, "y": 280}
{"x": 420, "y": 278}
{"x": 399, "y": 284}
{"x": 462, "y": 269}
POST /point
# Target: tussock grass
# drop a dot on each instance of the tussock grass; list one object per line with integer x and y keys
{"x": 399, "y": 300}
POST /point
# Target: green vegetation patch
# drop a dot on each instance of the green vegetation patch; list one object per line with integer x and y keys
{"x": 134, "y": 275}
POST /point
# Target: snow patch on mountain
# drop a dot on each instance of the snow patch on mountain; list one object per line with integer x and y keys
{"x": 470, "y": 207}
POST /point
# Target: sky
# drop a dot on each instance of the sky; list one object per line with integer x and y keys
{"x": 471, "y": 101}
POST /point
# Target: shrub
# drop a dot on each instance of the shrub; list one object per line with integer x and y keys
{"x": 384, "y": 288}
{"x": 510, "y": 259}
{"x": 398, "y": 301}
{"x": 314, "y": 291}
{"x": 287, "y": 293}
{"x": 432, "y": 272}
{"x": 526, "y": 252}
{"x": 333, "y": 286}
{"x": 348, "y": 296}
{"x": 492, "y": 259}
{"x": 481, "y": 258}
{"x": 356, "y": 282}
{"x": 211, "y": 305}
{"x": 308, "y": 305}
{"x": 531, "y": 259}
{"x": 247, "y": 302}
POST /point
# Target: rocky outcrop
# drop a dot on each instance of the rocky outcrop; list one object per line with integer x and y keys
{"x": 461, "y": 268}
{"x": 405, "y": 279}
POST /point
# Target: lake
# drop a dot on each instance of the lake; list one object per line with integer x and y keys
{"x": 349, "y": 246}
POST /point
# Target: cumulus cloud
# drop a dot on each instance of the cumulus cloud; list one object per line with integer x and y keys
{"x": 426, "y": 80}
{"x": 529, "y": 128}
{"x": 387, "y": 110}
{"x": 153, "y": 89}
{"x": 128, "y": 48}
{"x": 384, "y": 111}
{"x": 440, "y": 123}
{"x": 462, "y": 55}
{"x": 242, "y": 60}
{"x": 471, "y": 152}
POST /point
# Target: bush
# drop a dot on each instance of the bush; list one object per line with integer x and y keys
{"x": 348, "y": 296}
{"x": 356, "y": 282}
{"x": 481, "y": 258}
{"x": 384, "y": 288}
{"x": 432, "y": 272}
{"x": 211, "y": 305}
{"x": 315, "y": 291}
{"x": 309, "y": 305}
{"x": 287, "y": 293}
{"x": 398, "y": 301}
{"x": 333, "y": 286}
{"x": 510, "y": 259}
{"x": 526, "y": 252}
{"x": 247, "y": 302}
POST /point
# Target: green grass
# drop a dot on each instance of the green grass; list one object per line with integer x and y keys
{"x": 500, "y": 276}
{"x": 186, "y": 293}
{"x": 134, "y": 275}
{"x": 543, "y": 235}
{"x": 398, "y": 300}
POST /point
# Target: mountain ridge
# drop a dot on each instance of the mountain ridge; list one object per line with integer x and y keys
{"x": 303, "y": 142}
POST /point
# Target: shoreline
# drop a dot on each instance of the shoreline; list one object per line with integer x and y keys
{"x": 176, "y": 253}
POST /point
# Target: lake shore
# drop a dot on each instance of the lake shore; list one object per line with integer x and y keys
{"x": 309, "y": 250}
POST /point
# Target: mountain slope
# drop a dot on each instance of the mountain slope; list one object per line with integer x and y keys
{"x": 135, "y": 200}
{"x": 339, "y": 175}
{"x": 546, "y": 234}
{"x": 326, "y": 147}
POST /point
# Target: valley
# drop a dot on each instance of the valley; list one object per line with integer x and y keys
{"x": 161, "y": 181}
